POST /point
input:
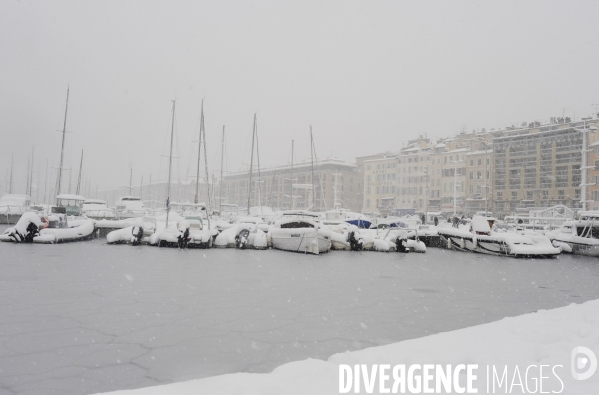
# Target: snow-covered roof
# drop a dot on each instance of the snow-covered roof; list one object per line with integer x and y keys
{"x": 479, "y": 152}
{"x": 66, "y": 196}
{"x": 94, "y": 201}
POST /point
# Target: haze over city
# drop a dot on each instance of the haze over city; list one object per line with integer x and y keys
{"x": 366, "y": 76}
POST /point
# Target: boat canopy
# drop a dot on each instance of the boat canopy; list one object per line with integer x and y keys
{"x": 360, "y": 223}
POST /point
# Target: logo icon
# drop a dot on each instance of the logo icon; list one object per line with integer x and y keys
{"x": 583, "y": 363}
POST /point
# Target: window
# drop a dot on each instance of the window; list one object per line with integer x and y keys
{"x": 471, "y": 162}
{"x": 472, "y": 175}
{"x": 500, "y": 195}
{"x": 479, "y": 162}
{"x": 479, "y": 175}
{"x": 514, "y": 195}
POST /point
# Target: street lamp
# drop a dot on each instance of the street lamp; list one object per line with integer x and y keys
{"x": 455, "y": 184}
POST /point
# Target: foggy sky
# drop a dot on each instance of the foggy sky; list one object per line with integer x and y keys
{"x": 366, "y": 75}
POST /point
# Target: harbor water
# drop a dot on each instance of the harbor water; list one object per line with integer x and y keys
{"x": 89, "y": 317}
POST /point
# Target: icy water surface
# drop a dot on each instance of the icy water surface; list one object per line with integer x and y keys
{"x": 89, "y": 317}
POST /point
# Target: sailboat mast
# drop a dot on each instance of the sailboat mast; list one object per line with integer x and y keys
{"x": 64, "y": 133}
{"x": 26, "y": 192}
{"x": 259, "y": 175}
{"x": 79, "y": 178}
{"x": 251, "y": 164}
{"x": 291, "y": 194}
{"x": 312, "y": 161}
{"x": 170, "y": 165}
{"x": 222, "y": 156}
{"x": 208, "y": 202}
{"x": 196, "y": 199}
{"x": 31, "y": 175}
{"x": 10, "y": 184}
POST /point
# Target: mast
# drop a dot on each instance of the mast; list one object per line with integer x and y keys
{"x": 208, "y": 203}
{"x": 222, "y": 155}
{"x": 251, "y": 164}
{"x": 131, "y": 181}
{"x": 259, "y": 176}
{"x": 170, "y": 165}
{"x": 291, "y": 195}
{"x": 45, "y": 183}
{"x": 141, "y": 187}
{"x": 79, "y": 178}
{"x": 196, "y": 199}
{"x": 64, "y": 133}
{"x": 27, "y": 182}
{"x": 31, "y": 177}
{"x": 10, "y": 184}
{"x": 312, "y": 161}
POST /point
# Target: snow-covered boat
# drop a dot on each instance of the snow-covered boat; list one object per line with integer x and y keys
{"x": 54, "y": 228}
{"x": 12, "y": 206}
{"x": 72, "y": 203}
{"x": 97, "y": 209}
{"x": 136, "y": 231}
{"x": 478, "y": 237}
{"x": 186, "y": 232}
{"x": 248, "y": 233}
{"x": 578, "y": 237}
{"x": 300, "y": 231}
{"x": 130, "y": 207}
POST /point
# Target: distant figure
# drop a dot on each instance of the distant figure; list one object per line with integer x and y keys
{"x": 423, "y": 218}
{"x": 456, "y": 222}
{"x": 436, "y": 220}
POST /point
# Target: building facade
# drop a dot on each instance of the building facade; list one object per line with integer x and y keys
{"x": 305, "y": 186}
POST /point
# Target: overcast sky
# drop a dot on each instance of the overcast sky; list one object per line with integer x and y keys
{"x": 367, "y": 75}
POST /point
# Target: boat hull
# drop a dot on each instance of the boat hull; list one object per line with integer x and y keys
{"x": 302, "y": 240}
{"x": 491, "y": 246}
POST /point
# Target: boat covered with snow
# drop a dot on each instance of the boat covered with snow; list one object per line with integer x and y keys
{"x": 578, "y": 237}
{"x": 477, "y": 236}
{"x": 49, "y": 229}
{"x": 12, "y": 206}
{"x": 97, "y": 209}
{"x": 300, "y": 231}
{"x": 247, "y": 233}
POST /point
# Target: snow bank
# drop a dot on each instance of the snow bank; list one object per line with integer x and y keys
{"x": 546, "y": 337}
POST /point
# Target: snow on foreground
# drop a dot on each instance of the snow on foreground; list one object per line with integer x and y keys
{"x": 546, "y": 337}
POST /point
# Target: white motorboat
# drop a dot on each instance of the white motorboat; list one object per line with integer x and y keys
{"x": 97, "y": 209}
{"x": 72, "y": 203}
{"x": 12, "y": 206}
{"x": 478, "y": 237}
{"x": 130, "y": 207}
{"x": 578, "y": 237}
{"x": 300, "y": 231}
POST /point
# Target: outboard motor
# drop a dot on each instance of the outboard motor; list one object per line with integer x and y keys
{"x": 242, "y": 238}
{"x": 401, "y": 243}
{"x": 26, "y": 228}
{"x": 355, "y": 244}
{"x": 138, "y": 235}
